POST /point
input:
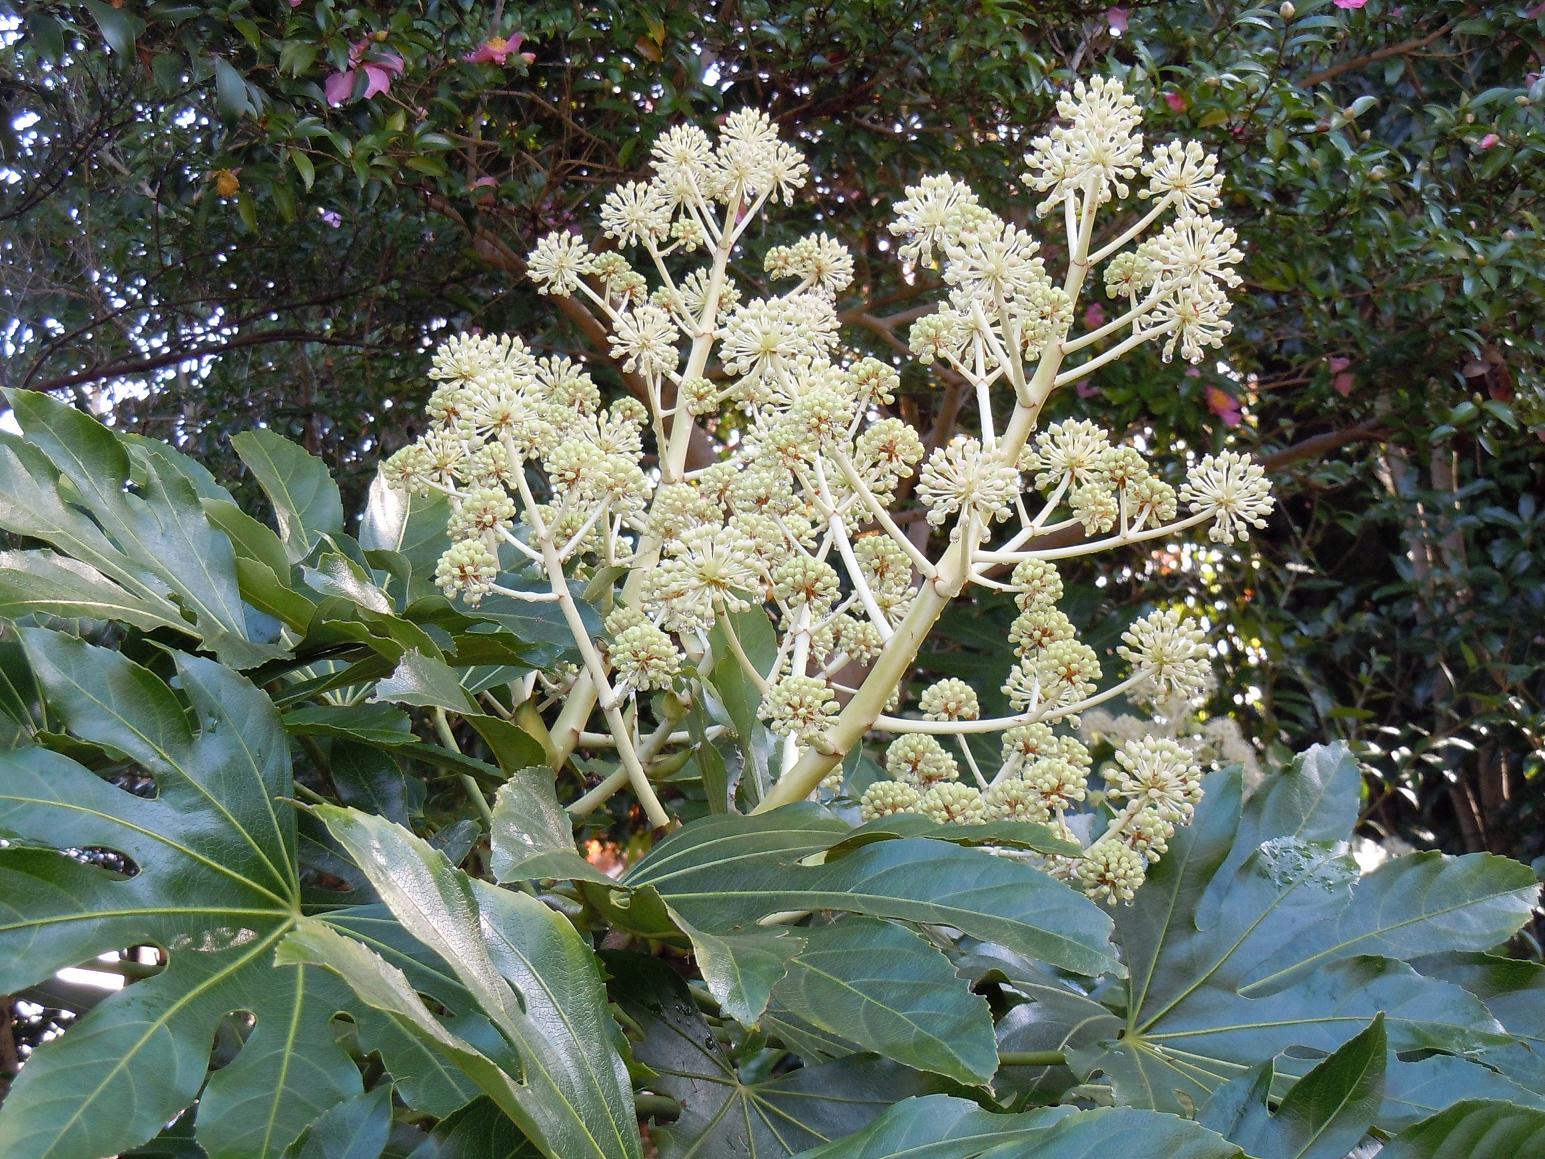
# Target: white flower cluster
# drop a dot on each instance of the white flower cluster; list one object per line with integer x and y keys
{"x": 795, "y": 520}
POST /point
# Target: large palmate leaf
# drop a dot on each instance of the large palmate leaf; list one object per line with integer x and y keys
{"x": 941, "y": 1127}
{"x": 724, "y": 1113}
{"x": 526, "y": 969}
{"x": 725, "y": 873}
{"x": 143, "y": 550}
{"x": 1255, "y": 936}
{"x": 215, "y": 886}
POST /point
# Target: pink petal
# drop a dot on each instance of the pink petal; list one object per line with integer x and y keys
{"x": 483, "y": 183}
{"x": 1343, "y": 382}
{"x": 1086, "y": 390}
{"x": 338, "y": 87}
{"x": 1094, "y": 316}
{"x": 1350, "y": 3}
{"x": 1176, "y": 101}
{"x": 1117, "y": 18}
{"x": 1490, "y": 140}
{"x": 1224, "y": 405}
{"x": 377, "y": 80}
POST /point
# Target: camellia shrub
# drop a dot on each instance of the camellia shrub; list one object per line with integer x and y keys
{"x": 824, "y": 908}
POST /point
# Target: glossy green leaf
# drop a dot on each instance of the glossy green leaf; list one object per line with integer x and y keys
{"x": 941, "y": 1127}
{"x": 1513, "y": 991}
{"x": 152, "y": 540}
{"x": 385, "y": 988}
{"x": 727, "y": 1113}
{"x": 377, "y": 724}
{"x": 1324, "y": 1116}
{"x": 573, "y": 1097}
{"x": 725, "y": 873}
{"x": 297, "y": 483}
{"x": 1255, "y": 936}
{"x": 216, "y": 885}
{"x": 532, "y": 837}
{"x": 411, "y": 525}
{"x": 1004, "y": 834}
{"x": 356, "y": 1128}
{"x": 424, "y": 681}
{"x": 46, "y": 583}
{"x": 1416, "y": 1090}
{"x": 881, "y": 987}
{"x": 478, "y": 1131}
{"x": 740, "y": 970}
{"x": 1469, "y": 1130}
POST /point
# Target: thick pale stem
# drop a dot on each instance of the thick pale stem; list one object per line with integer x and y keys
{"x": 582, "y": 698}
{"x": 947, "y": 580}
{"x": 468, "y": 781}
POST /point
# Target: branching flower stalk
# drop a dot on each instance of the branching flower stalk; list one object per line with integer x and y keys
{"x": 547, "y": 486}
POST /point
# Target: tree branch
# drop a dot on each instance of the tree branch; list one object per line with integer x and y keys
{"x": 173, "y": 357}
{"x": 1416, "y": 43}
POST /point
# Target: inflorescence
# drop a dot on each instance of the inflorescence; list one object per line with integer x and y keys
{"x": 547, "y": 484}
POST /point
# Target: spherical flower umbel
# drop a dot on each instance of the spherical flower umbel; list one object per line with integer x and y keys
{"x": 798, "y": 706}
{"x": 645, "y": 340}
{"x": 1168, "y": 650}
{"x": 1159, "y": 774}
{"x": 961, "y": 477}
{"x": 468, "y": 570}
{"x": 1232, "y": 490}
{"x": 1111, "y": 871}
{"x": 1036, "y": 584}
{"x": 952, "y": 803}
{"x": 1072, "y": 451}
{"x": 920, "y": 760}
{"x": 558, "y": 263}
{"x": 646, "y": 658}
{"x": 1187, "y": 174}
{"x": 884, "y": 798}
{"x": 949, "y": 699}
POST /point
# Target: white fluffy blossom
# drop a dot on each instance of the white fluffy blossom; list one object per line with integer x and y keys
{"x": 1232, "y": 490}
{"x": 962, "y": 477}
{"x": 558, "y": 263}
{"x": 1169, "y": 651}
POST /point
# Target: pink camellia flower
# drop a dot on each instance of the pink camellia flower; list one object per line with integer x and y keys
{"x": 1342, "y": 378}
{"x": 1176, "y": 101}
{"x": 1118, "y": 19}
{"x": 498, "y": 50}
{"x": 1094, "y": 316}
{"x": 1350, "y": 3}
{"x": 378, "y": 72}
{"x": 1086, "y": 390}
{"x": 1224, "y": 405}
{"x": 1490, "y": 141}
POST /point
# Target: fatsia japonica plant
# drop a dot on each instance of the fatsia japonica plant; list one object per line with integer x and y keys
{"x": 249, "y": 766}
